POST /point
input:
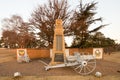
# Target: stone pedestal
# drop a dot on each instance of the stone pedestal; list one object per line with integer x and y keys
{"x": 58, "y": 52}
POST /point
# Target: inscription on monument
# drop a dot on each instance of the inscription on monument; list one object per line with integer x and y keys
{"x": 59, "y": 57}
{"x": 58, "y": 42}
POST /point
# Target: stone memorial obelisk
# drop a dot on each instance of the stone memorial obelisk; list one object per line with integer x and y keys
{"x": 58, "y": 52}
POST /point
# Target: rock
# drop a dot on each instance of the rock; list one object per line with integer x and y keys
{"x": 98, "y": 74}
{"x": 17, "y": 74}
{"x": 118, "y": 71}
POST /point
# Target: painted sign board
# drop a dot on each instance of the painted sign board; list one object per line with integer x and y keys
{"x": 98, "y": 53}
{"x": 22, "y": 55}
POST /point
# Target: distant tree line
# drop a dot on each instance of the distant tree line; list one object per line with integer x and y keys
{"x": 38, "y": 32}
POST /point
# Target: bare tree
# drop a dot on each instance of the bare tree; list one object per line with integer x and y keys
{"x": 76, "y": 24}
{"x": 9, "y": 38}
{"x": 43, "y": 18}
{"x": 15, "y": 24}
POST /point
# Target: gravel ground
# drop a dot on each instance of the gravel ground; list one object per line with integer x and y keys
{"x": 9, "y": 65}
{"x": 36, "y": 68}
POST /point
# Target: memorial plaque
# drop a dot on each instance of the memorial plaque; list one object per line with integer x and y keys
{"x": 59, "y": 57}
{"x": 98, "y": 53}
{"x": 22, "y": 55}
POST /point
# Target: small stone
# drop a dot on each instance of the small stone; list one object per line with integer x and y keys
{"x": 118, "y": 71}
{"x": 17, "y": 74}
{"x": 98, "y": 74}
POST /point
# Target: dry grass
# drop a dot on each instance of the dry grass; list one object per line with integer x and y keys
{"x": 113, "y": 57}
{"x": 7, "y": 55}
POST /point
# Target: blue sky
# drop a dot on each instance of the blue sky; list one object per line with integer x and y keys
{"x": 108, "y": 9}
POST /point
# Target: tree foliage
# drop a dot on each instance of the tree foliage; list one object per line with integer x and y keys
{"x": 76, "y": 23}
{"x": 9, "y": 38}
{"x": 43, "y": 18}
{"x": 82, "y": 20}
{"x": 95, "y": 40}
{"x": 16, "y": 31}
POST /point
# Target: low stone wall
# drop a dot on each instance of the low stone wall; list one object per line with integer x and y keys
{"x": 85, "y": 51}
{"x": 45, "y": 53}
{"x": 38, "y": 53}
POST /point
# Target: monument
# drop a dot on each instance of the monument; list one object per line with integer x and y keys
{"x": 58, "y": 51}
{"x": 84, "y": 64}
